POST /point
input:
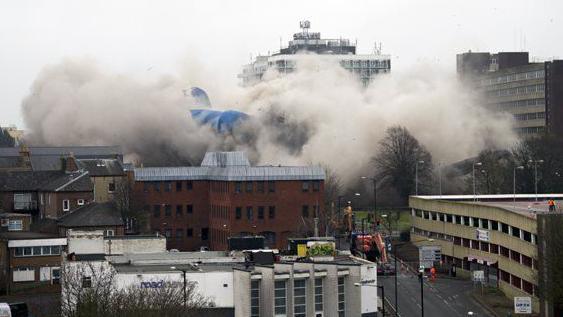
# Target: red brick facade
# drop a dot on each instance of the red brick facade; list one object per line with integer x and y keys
{"x": 205, "y": 213}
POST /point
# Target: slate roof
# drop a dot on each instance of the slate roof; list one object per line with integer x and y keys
{"x": 229, "y": 166}
{"x": 102, "y": 167}
{"x": 45, "y": 181}
{"x": 92, "y": 215}
{"x": 49, "y": 158}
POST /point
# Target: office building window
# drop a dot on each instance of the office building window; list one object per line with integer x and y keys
{"x": 179, "y": 186}
{"x": 271, "y": 186}
{"x": 156, "y": 211}
{"x": 272, "y": 212}
{"x": 494, "y": 225}
{"x": 305, "y": 186}
{"x": 156, "y": 186}
{"x": 189, "y": 185}
{"x": 249, "y": 215}
{"x": 167, "y": 210}
{"x": 255, "y": 298}
{"x": 146, "y": 186}
{"x": 318, "y": 295}
{"x": 189, "y": 209}
{"x": 179, "y": 210}
{"x": 179, "y": 234}
{"x": 261, "y": 212}
{"x": 305, "y": 211}
{"x": 238, "y": 187}
{"x": 238, "y": 212}
{"x": 299, "y": 298}
{"x": 260, "y": 186}
{"x": 341, "y": 298}
{"x": 280, "y": 298}
{"x": 248, "y": 186}
{"x": 167, "y": 186}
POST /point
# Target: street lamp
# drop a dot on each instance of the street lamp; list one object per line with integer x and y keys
{"x": 536, "y": 162}
{"x": 416, "y": 177}
{"x": 514, "y": 180}
{"x": 421, "y": 278}
{"x": 374, "y": 195}
{"x": 382, "y": 293}
{"x": 474, "y": 190}
{"x": 185, "y": 283}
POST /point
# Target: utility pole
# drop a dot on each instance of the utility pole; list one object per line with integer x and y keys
{"x": 421, "y": 277}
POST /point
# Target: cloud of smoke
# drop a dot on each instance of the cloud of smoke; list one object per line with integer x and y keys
{"x": 319, "y": 113}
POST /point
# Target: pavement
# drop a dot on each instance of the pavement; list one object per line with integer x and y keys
{"x": 442, "y": 298}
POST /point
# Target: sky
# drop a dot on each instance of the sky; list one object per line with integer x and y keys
{"x": 153, "y": 38}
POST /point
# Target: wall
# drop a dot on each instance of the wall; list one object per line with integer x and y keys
{"x": 101, "y": 187}
{"x": 241, "y": 292}
{"x": 132, "y": 244}
{"x": 54, "y": 202}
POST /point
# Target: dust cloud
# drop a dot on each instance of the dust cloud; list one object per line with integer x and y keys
{"x": 318, "y": 114}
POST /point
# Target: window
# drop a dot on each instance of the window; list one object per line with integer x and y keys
{"x": 249, "y": 215}
{"x": 179, "y": 186}
{"x": 238, "y": 212}
{"x": 271, "y": 186}
{"x": 299, "y": 298}
{"x": 527, "y": 236}
{"x": 504, "y": 227}
{"x": 305, "y": 211}
{"x": 55, "y": 275}
{"x": 23, "y": 274}
{"x": 449, "y": 218}
{"x": 80, "y": 202}
{"x": 475, "y": 222}
{"x": 261, "y": 212}
{"x": 86, "y": 282}
{"x": 485, "y": 223}
{"x": 167, "y": 186}
{"x": 109, "y": 233}
{"x": 189, "y": 209}
{"x": 204, "y": 234}
{"x": 458, "y": 220}
{"x": 190, "y": 232}
{"x": 66, "y": 205}
{"x": 260, "y": 186}
{"x": 248, "y": 186}
{"x": 341, "y": 298}
{"x": 316, "y": 186}
{"x": 305, "y": 186}
{"x": 238, "y": 186}
{"x": 167, "y": 210}
{"x": 146, "y": 186}
{"x": 318, "y": 295}
{"x": 179, "y": 210}
{"x": 189, "y": 185}
{"x": 111, "y": 187}
{"x": 515, "y": 232}
{"x": 156, "y": 186}
{"x": 466, "y": 220}
{"x": 494, "y": 225}
{"x": 280, "y": 298}
{"x": 15, "y": 225}
{"x": 156, "y": 211}
{"x": 272, "y": 212}
{"x": 255, "y": 298}
{"x": 179, "y": 234}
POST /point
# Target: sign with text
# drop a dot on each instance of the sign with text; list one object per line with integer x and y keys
{"x": 478, "y": 276}
{"x": 522, "y": 305}
{"x": 428, "y": 254}
{"x": 482, "y": 235}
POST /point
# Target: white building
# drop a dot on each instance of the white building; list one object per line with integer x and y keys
{"x": 341, "y": 51}
{"x": 239, "y": 287}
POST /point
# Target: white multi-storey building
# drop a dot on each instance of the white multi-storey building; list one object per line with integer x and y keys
{"x": 365, "y": 66}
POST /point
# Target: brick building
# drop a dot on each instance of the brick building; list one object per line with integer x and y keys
{"x": 225, "y": 196}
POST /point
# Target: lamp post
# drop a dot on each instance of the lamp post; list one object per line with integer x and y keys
{"x": 416, "y": 177}
{"x": 374, "y": 195}
{"x": 474, "y": 188}
{"x": 536, "y": 162}
{"x": 382, "y": 293}
{"x": 421, "y": 278}
{"x": 185, "y": 283}
{"x": 514, "y": 181}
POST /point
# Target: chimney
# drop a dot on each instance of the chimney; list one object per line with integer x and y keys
{"x": 69, "y": 163}
{"x": 25, "y": 157}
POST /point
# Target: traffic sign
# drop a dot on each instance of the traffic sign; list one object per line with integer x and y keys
{"x": 522, "y": 305}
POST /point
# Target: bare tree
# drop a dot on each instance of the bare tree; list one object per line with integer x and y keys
{"x": 89, "y": 289}
{"x": 130, "y": 204}
{"x": 396, "y": 162}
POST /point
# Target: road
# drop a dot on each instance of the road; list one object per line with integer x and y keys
{"x": 443, "y": 297}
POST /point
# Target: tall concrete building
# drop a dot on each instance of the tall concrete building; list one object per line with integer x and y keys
{"x": 531, "y": 92}
{"x": 343, "y": 51}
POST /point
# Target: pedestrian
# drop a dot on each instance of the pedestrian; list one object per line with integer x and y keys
{"x": 433, "y": 273}
{"x": 551, "y": 204}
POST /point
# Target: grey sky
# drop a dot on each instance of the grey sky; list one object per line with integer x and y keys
{"x": 156, "y": 36}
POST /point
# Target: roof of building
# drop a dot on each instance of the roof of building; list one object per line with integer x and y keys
{"x": 102, "y": 167}
{"x": 49, "y": 158}
{"x": 45, "y": 181}
{"x": 23, "y": 235}
{"x": 13, "y": 214}
{"x": 93, "y": 215}
{"x": 229, "y": 166}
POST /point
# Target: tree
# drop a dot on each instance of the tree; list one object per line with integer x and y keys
{"x": 550, "y": 260}
{"x": 6, "y": 139}
{"x": 332, "y": 190}
{"x": 548, "y": 149}
{"x": 89, "y": 289}
{"x": 130, "y": 204}
{"x": 494, "y": 176}
{"x": 396, "y": 162}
